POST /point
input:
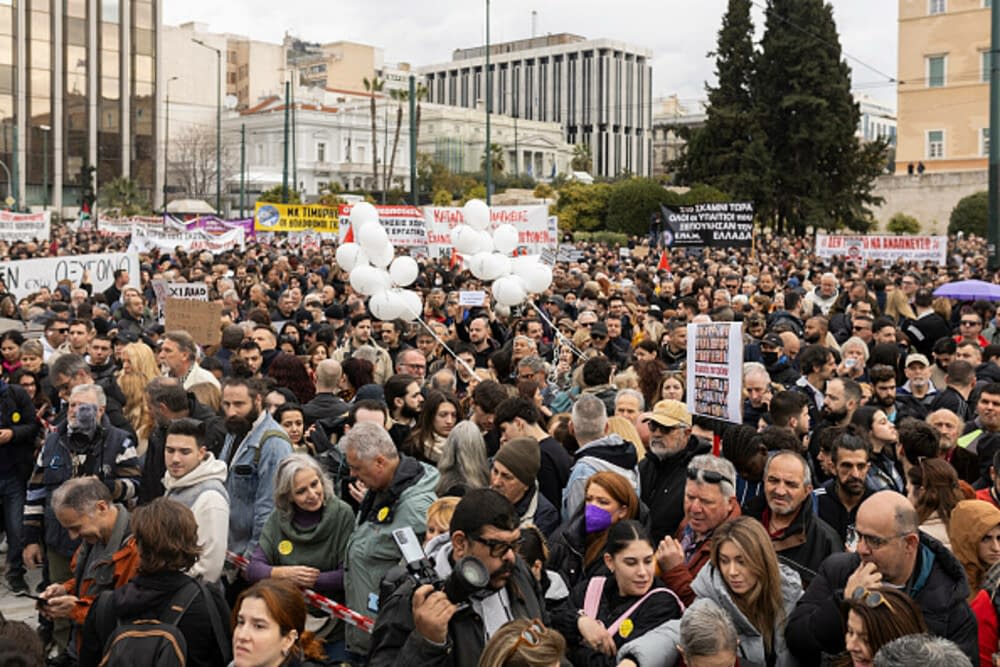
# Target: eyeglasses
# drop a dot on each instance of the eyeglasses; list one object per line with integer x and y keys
{"x": 871, "y": 599}
{"x": 499, "y": 549}
{"x": 709, "y": 476}
{"x": 874, "y": 541}
{"x": 62, "y": 331}
{"x": 860, "y": 328}
{"x": 970, "y": 323}
{"x": 656, "y": 426}
{"x": 531, "y": 635}
{"x": 418, "y": 367}
{"x": 61, "y": 387}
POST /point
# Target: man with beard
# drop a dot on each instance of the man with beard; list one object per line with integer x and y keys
{"x": 801, "y": 539}
{"x": 421, "y": 626}
{"x": 167, "y": 401}
{"x": 883, "y": 380}
{"x": 405, "y": 401}
{"x": 790, "y": 410}
{"x": 817, "y": 327}
{"x": 663, "y": 471}
{"x": 479, "y": 336}
{"x": 361, "y": 335}
{"x": 817, "y": 365}
{"x": 842, "y": 398}
{"x": 918, "y": 388}
{"x": 675, "y": 351}
{"x": 982, "y": 435}
{"x": 948, "y": 426}
{"x": 943, "y": 354}
{"x": 837, "y": 500}
{"x": 254, "y": 446}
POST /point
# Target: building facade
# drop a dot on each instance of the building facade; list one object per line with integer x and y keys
{"x": 943, "y": 90}
{"x": 599, "y": 91}
{"x": 669, "y": 118}
{"x": 878, "y": 121}
{"x": 77, "y": 91}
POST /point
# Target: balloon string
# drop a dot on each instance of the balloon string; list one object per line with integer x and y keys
{"x": 445, "y": 346}
{"x": 562, "y": 339}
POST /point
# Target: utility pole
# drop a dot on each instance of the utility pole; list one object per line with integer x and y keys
{"x": 284, "y": 169}
{"x": 385, "y": 152}
{"x": 218, "y": 123}
{"x": 489, "y": 105}
{"x": 295, "y": 160}
{"x": 243, "y": 166}
{"x": 413, "y": 141}
{"x": 45, "y": 165}
{"x": 166, "y": 146}
{"x": 15, "y": 190}
{"x": 994, "y": 172}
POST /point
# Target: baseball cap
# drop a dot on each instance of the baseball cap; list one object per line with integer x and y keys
{"x": 916, "y": 358}
{"x": 598, "y": 330}
{"x": 772, "y": 339}
{"x": 670, "y": 413}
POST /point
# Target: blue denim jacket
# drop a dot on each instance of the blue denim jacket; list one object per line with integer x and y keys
{"x": 250, "y": 481}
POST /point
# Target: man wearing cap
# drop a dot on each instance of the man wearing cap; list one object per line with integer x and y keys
{"x": 514, "y": 473}
{"x": 600, "y": 341}
{"x": 662, "y": 473}
{"x": 520, "y": 418}
{"x": 778, "y": 365}
{"x": 917, "y": 393}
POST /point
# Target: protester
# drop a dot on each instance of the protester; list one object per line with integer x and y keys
{"x": 269, "y": 628}
{"x": 524, "y": 643}
{"x": 873, "y": 617}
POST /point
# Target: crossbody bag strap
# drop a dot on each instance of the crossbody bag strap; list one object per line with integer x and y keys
{"x": 613, "y": 628}
{"x": 592, "y": 600}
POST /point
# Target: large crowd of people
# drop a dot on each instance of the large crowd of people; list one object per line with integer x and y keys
{"x": 566, "y": 505}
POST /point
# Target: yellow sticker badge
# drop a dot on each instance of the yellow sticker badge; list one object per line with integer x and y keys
{"x": 16, "y": 417}
{"x": 626, "y": 628}
{"x": 285, "y": 548}
{"x": 383, "y": 514}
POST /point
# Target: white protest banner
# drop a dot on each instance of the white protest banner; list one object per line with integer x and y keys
{"x": 25, "y": 226}
{"x": 26, "y": 276}
{"x": 404, "y": 224}
{"x": 123, "y": 226}
{"x": 531, "y": 222}
{"x": 715, "y": 370}
{"x": 196, "y": 240}
{"x": 475, "y": 298}
{"x": 884, "y": 248}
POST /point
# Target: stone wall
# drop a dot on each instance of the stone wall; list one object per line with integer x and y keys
{"x": 929, "y": 198}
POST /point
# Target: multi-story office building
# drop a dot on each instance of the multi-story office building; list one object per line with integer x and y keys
{"x": 943, "y": 90}
{"x": 878, "y": 121}
{"x": 77, "y": 89}
{"x": 599, "y": 90}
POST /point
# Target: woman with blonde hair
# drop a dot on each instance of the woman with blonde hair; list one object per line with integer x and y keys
{"x": 138, "y": 358}
{"x": 136, "y": 409}
{"x": 524, "y": 643}
{"x": 628, "y": 432}
{"x": 897, "y": 306}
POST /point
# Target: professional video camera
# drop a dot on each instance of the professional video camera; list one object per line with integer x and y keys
{"x": 468, "y": 577}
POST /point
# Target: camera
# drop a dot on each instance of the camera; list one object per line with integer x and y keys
{"x": 468, "y": 577}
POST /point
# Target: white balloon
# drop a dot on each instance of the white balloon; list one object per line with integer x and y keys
{"x": 477, "y": 264}
{"x": 537, "y": 277}
{"x": 477, "y": 214}
{"x": 509, "y": 290}
{"x": 495, "y": 265}
{"x": 412, "y": 305}
{"x": 362, "y": 213}
{"x": 383, "y": 306}
{"x": 372, "y": 237}
{"x": 351, "y": 255}
{"x": 368, "y": 280}
{"x": 505, "y": 238}
{"x": 485, "y": 242}
{"x": 381, "y": 257}
{"x": 465, "y": 239}
{"x": 404, "y": 271}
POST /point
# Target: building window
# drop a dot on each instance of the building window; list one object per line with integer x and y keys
{"x": 984, "y": 142}
{"x": 987, "y": 4}
{"x": 935, "y": 144}
{"x": 986, "y": 61}
{"x": 936, "y": 66}
{"x": 320, "y": 151}
{"x": 937, "y": 6}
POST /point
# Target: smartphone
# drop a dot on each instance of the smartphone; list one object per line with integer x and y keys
{"x": 25, "y": 594}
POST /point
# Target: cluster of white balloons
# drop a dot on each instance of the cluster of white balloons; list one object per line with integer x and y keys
{"x": 488, "y": 256}
{"x": 375, "y": 271}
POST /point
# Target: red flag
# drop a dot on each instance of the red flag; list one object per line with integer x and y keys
{"x": 664, "y": 264}
{"x": 349, "y": 236}
{"x": 455, "y": 259}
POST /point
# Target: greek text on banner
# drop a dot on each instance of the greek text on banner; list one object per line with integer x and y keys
{"x": 270, "y": 217}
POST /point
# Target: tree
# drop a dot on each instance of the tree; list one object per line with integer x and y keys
{"x": 477, "y": 191}
{"x": 903, "y": 224}
{"x": 729, "y": 152}
{"x": 582, "y": 207}
{"x": 374, "y": 86}
{"x": 496, "y": 157}
{"x": 582, "y": 158}
{"x": 399, "y": 96}
{"x": 123, "y": 195}
{"x": 543, "y": 191}
{"x": 819, "y": 173}
{"x": 442, "y": 198}
{"x": 970, "y": 215}
{"x": 274, "y": 195}
{"x": 193, "y": 163}
{"x": 631, "y": 203}
{"x": 329, "y": 194}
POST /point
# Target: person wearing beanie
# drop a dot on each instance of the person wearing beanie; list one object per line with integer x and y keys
{"x": 513, "y": 474}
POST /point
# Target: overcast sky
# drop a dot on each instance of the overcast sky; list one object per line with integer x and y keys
{"x": 679, "y": 32}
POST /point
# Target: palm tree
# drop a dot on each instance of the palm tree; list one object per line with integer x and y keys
{"x": 400, "y": 96}
{"x": 496, "y": 157}
{"x": 422, "y": 94}
{"x": 582, "y": 158}
{"x": 374, "y": 86}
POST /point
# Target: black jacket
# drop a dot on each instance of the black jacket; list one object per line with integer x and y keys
{"x": 950, "y": 399}
{"x": 546, "y": 517}
{"x": 146, "y": 597}
{"x": 567, "y": 549}
{"x": 325, "y": 408}
{"x": 938, "y": 586}
{"x": 662, "y": 481}
{"x": 832, "y": 511}
{"x": 17, "y": 413}
{"x": 396, "y": 643}
{"x": 806, "y": 542}
{"x": 924, "y": 331}
{"x": 783, "y": 372}
{"x": 154, "y": 466}
{"x": 553, "y": 471}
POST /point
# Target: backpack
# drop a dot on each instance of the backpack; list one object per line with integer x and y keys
{"x": 152, "y": 642}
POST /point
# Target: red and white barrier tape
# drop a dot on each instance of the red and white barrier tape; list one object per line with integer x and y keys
{"x": 314, "y": 599}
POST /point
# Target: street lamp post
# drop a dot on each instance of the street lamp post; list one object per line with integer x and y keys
{"x": 218, "y": 123}
{"x": 489, "y": 105}
{"x": 166, "y": 145}
{"x": 45, "y": 165}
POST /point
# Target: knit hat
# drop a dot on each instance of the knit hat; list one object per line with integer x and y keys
{"x": 521, "y": 456}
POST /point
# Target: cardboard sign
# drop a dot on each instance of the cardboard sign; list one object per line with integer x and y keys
{"x": 199, "y": 318}
{"x": 476, "y": 298}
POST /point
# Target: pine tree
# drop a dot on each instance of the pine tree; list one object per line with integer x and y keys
{"x": 729, "y": 152}
{"x": 820, "y": 174}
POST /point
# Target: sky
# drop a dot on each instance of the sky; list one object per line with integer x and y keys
{"x": 680, "y": 33}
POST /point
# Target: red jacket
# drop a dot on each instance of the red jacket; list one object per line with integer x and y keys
{"x": 679, "y": 577}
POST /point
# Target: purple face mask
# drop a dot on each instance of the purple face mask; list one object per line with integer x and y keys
{"x": 596, "y": 519}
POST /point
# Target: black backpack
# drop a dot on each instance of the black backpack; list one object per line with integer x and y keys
{"x": 152, "y": 642}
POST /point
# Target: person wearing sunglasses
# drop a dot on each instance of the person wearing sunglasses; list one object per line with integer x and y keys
{"x": 873, "y": 617}
{"x": 892, "y": 552}
{"x": 419, "y": 625}
{"x": 709, "y": 501}
{"x": 55, "y": 334}
{"x": 524, "y": 643}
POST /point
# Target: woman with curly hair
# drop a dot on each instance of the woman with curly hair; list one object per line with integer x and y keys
{"x": 437, "y": 418}
{"x": 356, "y": 374}
{"x": 136, "y": 409}
{"x": 288, "y": 371}
{"x": 650, "y": 375}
